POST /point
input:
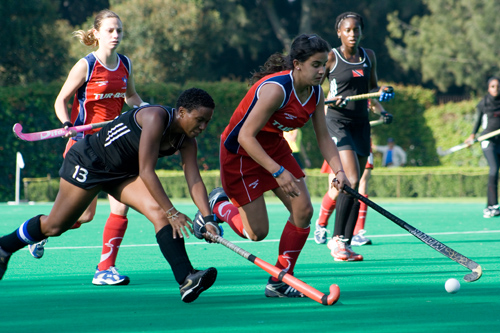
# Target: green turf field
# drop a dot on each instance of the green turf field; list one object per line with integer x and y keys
{"x": 398, "y": 288}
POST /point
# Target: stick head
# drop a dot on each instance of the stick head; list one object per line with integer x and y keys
{"x": 333, "y": 297}
{"x": 17, "y": 129}
{"x": 475, "y": 275}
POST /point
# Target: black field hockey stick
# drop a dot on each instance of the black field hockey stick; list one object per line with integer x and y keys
{"x": 281, "y": 275}
{"x": 435, "y": 244}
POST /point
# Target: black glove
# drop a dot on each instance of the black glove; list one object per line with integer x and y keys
{"x": 200, "y": 222}
{"x": 386, "y": 117}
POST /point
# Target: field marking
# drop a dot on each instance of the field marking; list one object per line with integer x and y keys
{"x": 274, "y": 240}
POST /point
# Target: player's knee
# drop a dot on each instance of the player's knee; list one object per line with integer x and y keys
{"x": 257, "y": 235}
{"x": 87, "y": 216}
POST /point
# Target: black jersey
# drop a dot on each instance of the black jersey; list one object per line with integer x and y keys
{"x": 488, "y": 115}
{"x": 117, "y": 143}
{"x": 349, "y": 79}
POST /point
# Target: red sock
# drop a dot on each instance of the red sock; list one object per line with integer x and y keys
{"x": 228, "y": 213}
{"x": 363, "y": 209}
{"x": 326, "y": 210}
{"x": 113, "y": 233}
{"x": 291, "y": 243}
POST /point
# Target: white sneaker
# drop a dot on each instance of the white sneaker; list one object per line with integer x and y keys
{"x": 491, "y": 211}
{"x": 359, "y": 239}
{"x": 37, "y": 250}
{"x": 109, "y": 277}
{"x": 320, "y": 234}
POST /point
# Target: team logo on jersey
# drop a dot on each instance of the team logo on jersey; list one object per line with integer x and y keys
{"x": 124, "y": 79}
{"x": 357, "y": 73}
{"x": 281, "y": 127}
{"x": 101, "y": 83}
{"x": 289, "y": 116}
{"x": 254, "y": 184}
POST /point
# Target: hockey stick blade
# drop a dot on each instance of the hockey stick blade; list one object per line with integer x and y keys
{"x": 430, "y": 241}
{"x": 281, "y": 275}
{"x": 55, "y": 133}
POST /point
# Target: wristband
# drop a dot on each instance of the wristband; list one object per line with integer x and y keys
{"x": 67, "y": 124}
{"x": 144, "y": 103}
{"x": 279, "y": 172}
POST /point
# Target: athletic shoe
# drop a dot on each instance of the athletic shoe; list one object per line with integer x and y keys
{"x": 359, "y": 239}
{"x": 352, "y": 255}
{"x": 320, "y": 234}
{"x": 4, "y": 260}
{"x": 491, "y": 211}
{"x": 37, "y": 250}
{"x": 281, "y": 289}
{"x": 338, "y": 247}
{"x": 197, "y": 282}
{"x": 199, "y": 223}
{"x": 217, "y": 195}
{"x": 109, "y": 277}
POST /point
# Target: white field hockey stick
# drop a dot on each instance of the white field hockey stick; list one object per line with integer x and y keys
{"x": 476, "y": 270}
{"x": 281, "y": 275}
{"x": 465, "y": 145}
{"x": 55, "y": 133}
{"x": 360, "y": 97}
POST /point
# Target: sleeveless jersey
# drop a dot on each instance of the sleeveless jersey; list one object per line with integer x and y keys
{"x": 117, "y": 143}
{"x": 102, "y": 96}
{"x": 349, "y": 79}
{"x": 291, "y": 114}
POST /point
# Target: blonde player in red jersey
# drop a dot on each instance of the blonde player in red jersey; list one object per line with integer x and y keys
{"x": 255, "y": 158}
{"x": 99, "y": 84}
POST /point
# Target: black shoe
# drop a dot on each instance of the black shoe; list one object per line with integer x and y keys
{"x": 4, "y": 260}
{"x": 281, "y": 289}
{"x": 197, "y": 282}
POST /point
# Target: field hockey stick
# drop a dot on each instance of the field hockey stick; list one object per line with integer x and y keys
{"x": 435, "y": 244}
{"x": 465, "y": 145}
{"x": 360, "y": 97}
{"x": 55, "y": 133}
{"x": 282, "y": 275}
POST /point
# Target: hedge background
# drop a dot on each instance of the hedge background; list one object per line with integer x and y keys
{"x": 419, "y": 126}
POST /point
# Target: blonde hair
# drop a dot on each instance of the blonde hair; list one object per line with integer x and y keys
{"x": 88, "y": 37}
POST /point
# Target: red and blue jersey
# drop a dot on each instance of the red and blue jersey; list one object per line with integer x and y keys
{"x": 291, "y": 114}
{"x": 102, "y": 96}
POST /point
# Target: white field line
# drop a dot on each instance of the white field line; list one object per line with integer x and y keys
{"x": 200, "y": 242}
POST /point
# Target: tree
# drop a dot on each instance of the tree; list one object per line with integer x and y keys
{"x": 455, "y": 44}
{"x": 33, "y": 50}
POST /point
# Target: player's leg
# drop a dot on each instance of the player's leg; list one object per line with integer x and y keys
{"x": 70, "y": 203}
{"x": 347, "y": 209}
{"x": 493, "y": 158}
{"x": 114, "y": 230}
{"x": 328, "y": 204}
{"x": 359, "y": 231}
{"x": 134, "y": 193}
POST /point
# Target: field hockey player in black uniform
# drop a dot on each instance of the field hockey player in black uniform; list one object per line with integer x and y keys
{"x": 120, "y": 159}
{"x": 488, "y": 115}
{"x": 351, "y": 70}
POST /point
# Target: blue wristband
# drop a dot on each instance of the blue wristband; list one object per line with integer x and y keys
{"x": 279, "y": 172}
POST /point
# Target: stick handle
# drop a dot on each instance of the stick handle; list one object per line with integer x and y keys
{"x": 430, "y": 241}
{"x": 281, "y": 275}
{"x": 55, "y": 133}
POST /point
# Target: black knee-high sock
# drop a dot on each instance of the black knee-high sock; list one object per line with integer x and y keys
{"x": 28, "y": 233}
{"x": 351, "y": 221}
{"x": 492, "y": 190}
{"x": 175, "y": 252}
{"x": 344, "y": 207}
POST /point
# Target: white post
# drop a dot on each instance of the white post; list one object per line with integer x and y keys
{"x": 19, "y": 166}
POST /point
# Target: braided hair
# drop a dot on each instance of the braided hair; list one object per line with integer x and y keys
{"x": 346, "y": 15}
{"x": 302, "y": 48}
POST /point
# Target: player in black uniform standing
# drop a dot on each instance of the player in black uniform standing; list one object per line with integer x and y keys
{"x": 120, "y": 159}
{"x": 488, "y": 115}
{"x": 351, "y": 70}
